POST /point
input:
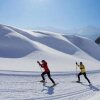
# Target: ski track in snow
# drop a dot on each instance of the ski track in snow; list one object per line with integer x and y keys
{"x": 16, "y": 87}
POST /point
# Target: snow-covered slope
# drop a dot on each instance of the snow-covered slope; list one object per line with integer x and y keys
{"x": 85, "y": 44}
{"x": 20, "y": 49}
{"x": 12, "y": 37}
{"x": 13, "y": 44}
{"x": 61, "y": 51}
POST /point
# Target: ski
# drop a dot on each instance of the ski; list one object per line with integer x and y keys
{"x": 78, "y": 82}
{"x": 42, "y": 81}
{"x": 54, "y": 84}
{"x": 51, "y": 85}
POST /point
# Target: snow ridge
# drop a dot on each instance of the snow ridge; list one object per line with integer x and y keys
{"x": 68, "y": 44}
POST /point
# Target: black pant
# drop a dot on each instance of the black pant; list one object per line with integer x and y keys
{"x": 84, "y": 76}
{"x": 49, "y": 76}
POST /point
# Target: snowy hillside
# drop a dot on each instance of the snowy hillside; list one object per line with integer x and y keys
{"x": 20, "y": 49}
{"x": 86, "y": 45}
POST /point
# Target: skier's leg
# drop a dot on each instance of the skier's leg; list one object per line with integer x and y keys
{"x": 79, "y": 76}
{"x": 86, "y": 77}
{"x": 49, "y": 76}
{"x": 42, "y": 75}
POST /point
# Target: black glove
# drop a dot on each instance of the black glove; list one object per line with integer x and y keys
{"x": 38, "y": 62}
{"x": 76, "y": 63}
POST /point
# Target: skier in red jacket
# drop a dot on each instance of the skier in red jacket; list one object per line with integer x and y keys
{"x": 46, "y": 71}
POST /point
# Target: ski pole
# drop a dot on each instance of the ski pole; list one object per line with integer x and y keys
{"x": 76, "y": 69}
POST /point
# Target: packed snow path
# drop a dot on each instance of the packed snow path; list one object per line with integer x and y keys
{"x": 28, "y": 87}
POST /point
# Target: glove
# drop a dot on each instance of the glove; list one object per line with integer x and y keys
{"x": 38, "y": 62}
{"x": 76, "y": 63}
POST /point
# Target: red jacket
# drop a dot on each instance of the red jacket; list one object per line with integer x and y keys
{"x": 45, "y": 66}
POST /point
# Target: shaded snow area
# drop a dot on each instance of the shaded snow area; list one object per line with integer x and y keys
{"x": 26, "y": 86}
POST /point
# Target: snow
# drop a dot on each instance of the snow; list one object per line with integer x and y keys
{"x": 26, "y": 86}
{"x": 20, "y": 50}
{"x": 96, "y": 97}
{"x": 86, "y": 45}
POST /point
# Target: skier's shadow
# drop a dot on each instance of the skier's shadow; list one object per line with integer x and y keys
{"x": 50, "y": 89}
{"x": 92, "y": 87}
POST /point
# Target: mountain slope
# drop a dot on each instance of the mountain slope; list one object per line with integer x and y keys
{"x": 86, "y": 45}
{"x": 17, "y": 43}
{"x": 13, "y": 44}
{"x": 61, "y": 51}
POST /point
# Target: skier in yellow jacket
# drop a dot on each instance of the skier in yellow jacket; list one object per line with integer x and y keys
{"x": 83, "y": 72}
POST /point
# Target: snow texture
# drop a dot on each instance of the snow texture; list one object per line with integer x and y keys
{"x": 26, "y": 86}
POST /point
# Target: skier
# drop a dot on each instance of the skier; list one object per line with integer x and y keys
{"x": 83, "y": 72}
{"x": 47, "y": 71}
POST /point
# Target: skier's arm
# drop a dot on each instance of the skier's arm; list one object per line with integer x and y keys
{"x": 39, "y": 64}
{"x": 77, "y": 64}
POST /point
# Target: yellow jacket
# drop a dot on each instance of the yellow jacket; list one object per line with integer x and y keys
{"x": 82, "y": 68}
